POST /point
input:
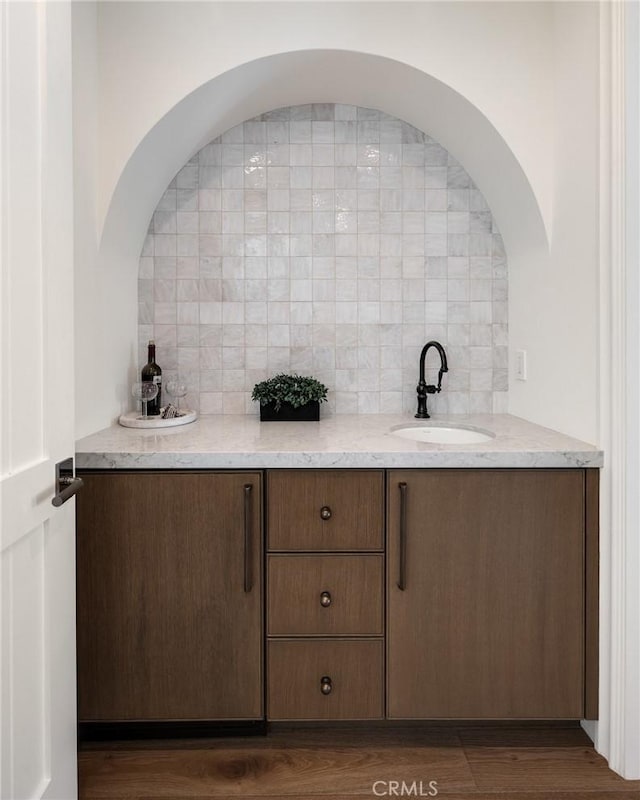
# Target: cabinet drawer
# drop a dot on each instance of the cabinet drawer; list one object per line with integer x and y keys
{"x": 350, "y": 672}
{"x": 325, "y": 595}
{"x": 325, "y": 510}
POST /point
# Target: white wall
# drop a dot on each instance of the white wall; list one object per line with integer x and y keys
{"x": 554, "y": 303}
{"x": 497, "y": 55}
{"x": 508, "y": 74}
{"x": 90, "y": 319}
{"x": 105, "y": 284}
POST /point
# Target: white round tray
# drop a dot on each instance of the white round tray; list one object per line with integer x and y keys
{"x": 133, "y": 420}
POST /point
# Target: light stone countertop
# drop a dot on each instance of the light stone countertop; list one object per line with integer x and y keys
{"x": 364, "y": 441}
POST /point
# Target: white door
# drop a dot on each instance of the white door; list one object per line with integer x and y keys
{"x": 37, "y": 548}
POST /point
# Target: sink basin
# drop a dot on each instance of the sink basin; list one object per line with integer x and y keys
{"x": 442, "y": 434}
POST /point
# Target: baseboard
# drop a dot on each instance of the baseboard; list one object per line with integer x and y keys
{"x": 168, "y": 729}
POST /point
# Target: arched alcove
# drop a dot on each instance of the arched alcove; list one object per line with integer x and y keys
{"x": 126, "y": 203}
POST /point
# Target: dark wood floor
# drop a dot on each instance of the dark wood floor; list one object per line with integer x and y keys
{"x": 474, "y": 763}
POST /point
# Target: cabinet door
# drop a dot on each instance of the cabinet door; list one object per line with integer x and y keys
{"x": 490, "y": 622}
{"x": 169, "y": 596}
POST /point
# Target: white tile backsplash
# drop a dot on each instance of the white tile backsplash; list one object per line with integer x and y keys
{"x": 332, "y": 240}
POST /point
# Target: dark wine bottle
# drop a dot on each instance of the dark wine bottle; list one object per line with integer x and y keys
{"x": 151, "y": 373}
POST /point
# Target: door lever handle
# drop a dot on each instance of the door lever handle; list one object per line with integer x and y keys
{"x": 66, "y": 483}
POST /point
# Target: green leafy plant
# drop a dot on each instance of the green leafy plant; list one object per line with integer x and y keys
{"x": 297, "y": 390}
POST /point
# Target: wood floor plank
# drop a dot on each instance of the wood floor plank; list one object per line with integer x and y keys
{"x": 581, "y": 795}
{"x": 596, "y": 794}
{"x": 294, "y": 737}
{"x": 342, "y": 764}
{"x": 525, "y": 736}
{"x": 296, "y": 772}
{"x": 538, "y": 768}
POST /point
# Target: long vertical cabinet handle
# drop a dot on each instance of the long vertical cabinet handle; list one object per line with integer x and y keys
{"x": 402, "y": 577}
{"x": 248, "y": 556}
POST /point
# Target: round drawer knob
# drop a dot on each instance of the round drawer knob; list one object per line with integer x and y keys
{"x": 325, "y": 599}
{"x": 325, "y": 685}
{"x": 325, "y": 512}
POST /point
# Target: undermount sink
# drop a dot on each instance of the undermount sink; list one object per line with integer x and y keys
{"x": 442, "y": 434}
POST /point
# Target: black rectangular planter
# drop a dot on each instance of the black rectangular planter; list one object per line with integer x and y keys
{"x": 287, "y": 413}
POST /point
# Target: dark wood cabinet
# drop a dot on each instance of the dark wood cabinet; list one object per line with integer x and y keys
{"x": 325, "y": 651}
{"x": 486, "y": 594}
{"x": 169, "y": 579}
{"x": 490, "y": 609}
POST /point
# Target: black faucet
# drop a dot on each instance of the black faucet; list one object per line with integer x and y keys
{"x": 422, "y": 388}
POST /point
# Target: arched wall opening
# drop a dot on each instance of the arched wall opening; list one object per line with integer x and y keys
{"x": 538, "y": 312}
{"x": 324, "y": 76}
{"x": 296, "y": 78}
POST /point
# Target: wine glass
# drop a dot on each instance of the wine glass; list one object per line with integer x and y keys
{"x": 144, "y": 391}
{"x": 176, "y": 387}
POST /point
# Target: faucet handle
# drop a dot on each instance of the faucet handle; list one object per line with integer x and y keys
{"x": 431, "y": 389}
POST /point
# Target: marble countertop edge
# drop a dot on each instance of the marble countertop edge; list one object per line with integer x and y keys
{"x": 354, "y": 441}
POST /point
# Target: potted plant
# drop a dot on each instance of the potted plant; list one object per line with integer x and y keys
{"x": 290, "y": 398}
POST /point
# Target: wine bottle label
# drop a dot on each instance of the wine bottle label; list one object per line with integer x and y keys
{"x": 157, "y": 378}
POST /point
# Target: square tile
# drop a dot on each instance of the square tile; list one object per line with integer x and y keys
{"x": 326, "y": 238}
